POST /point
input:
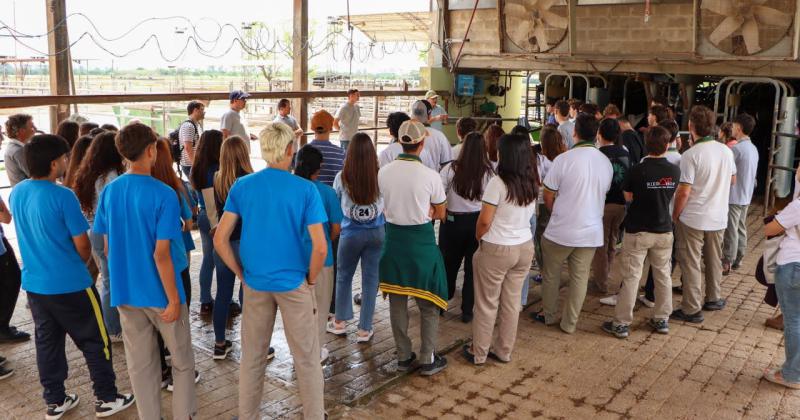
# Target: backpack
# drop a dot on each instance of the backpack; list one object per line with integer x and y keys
{"x": 175, "y": 146}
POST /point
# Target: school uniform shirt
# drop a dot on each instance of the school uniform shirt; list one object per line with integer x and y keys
{"x": 330, "y": 202}
{"x": 455, "y": 202}
{"x": 47, "y": 216}
{"x": 567, "y": 129}
{"x": 707, "y": 167}
{"x": 580, "y": 177}
{"x": 275, "y": 207}
{"x": 134, "y": 212}
{"x": 673, "y": 156}
{"x": 512, "y": 223}
{"x": 543, "y": 165}
{"x": 789, "y": 219}
{"x": 652, "y": 183}
{"x": 409, "y": 189}
{"x": 621, "y": 163}
{"x": 332, "y": 160}
{"x": 439, "y": 147}
{"x": 634, "y": 144}
{"x": 186, "y": 214}
{"x": 391, "y": 152}
{"x": 357, "y": 216}
{"x": 745, "y": 156}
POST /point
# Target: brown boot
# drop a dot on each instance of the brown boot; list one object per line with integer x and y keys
{"x": 776, "y": 322}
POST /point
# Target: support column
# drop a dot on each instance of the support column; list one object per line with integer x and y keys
{"x": 300, "y": 62}
{"x": 57, "y": 46}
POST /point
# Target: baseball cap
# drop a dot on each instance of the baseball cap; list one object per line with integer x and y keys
{"x": 239, "y": 94}
{"x": 322, "y": 122}
{"x": 419, "y": 111}
{"x": 411, "y": 132}
{"x": 431, "y": 94}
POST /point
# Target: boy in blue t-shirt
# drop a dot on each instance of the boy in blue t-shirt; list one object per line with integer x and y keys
{"x": 63, "y": 301}
{"x": 140, "y": 219}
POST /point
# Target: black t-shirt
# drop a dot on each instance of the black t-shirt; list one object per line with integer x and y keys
{"x": 634, "y": 144}
{"x": 621, "y": 163}
{"x": 653, "y": 183}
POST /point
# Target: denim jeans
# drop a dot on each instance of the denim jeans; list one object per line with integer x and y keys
{"x": 527, "y": 283}
{"x": 365, "y": 245}
{"x": 110, "y": 314}
{"x": 207, "y": 265}
{"x": 226, "y": 280}
{"x": 787, "y": 284}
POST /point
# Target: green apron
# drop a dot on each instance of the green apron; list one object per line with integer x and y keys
{"x": 412, "y": 265}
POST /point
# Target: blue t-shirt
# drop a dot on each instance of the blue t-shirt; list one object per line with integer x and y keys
{"x": 275, "y": 208}
{"x": 47, "y": 217}
{"x": 334, "y": 211}
{"x": 135, "y": 211}
{"x": 186, "y": 214}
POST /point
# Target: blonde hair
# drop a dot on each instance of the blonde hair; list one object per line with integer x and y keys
{"x": 234, "y": 161}
{"x": 274, "y": 139}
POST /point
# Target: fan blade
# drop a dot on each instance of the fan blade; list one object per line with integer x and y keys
{"x": 554, "y": 20}
{"x": 516, "y": 10}
{"x": 771, "y": 17}
{"x": 517, "y": 30}
{"x": 750, "y": 35}
{"x": 543, "y": 5}
{"x": 725, "y": 29}
{"x": 541, "y": 36}
{"x": 720, "y": 7}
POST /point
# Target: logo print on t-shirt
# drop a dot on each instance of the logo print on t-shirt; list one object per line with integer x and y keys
{"x": 363, "y": 214}
{"x": 664, "y": 183}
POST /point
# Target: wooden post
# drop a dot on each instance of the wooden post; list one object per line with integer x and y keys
{"x": 300, "y": 62}
{"x": 375, "y": 105}
{"x": 501, "y": 27}
{"x": 572, "y": 29}
{"x": 57, "y": 46}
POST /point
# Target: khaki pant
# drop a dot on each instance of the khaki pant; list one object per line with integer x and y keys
{"x": 500, "y": 272}
{"x": 323, "y": 291}
{"x": 695, "y": 247}
{"x": 139, "y": 328}
{"x": 299, "y": 312}
{"x": 579, "y": 261}
{"x": 429, "y": 327}
{"x": 735, "y": 242}
{"x": 613, "y": 215}
{"x": 636, "y": 248}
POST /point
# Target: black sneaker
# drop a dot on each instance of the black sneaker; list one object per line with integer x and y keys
{"x": 468, "y": 356}
{"x": 166, "y": 377}
{"x": 660, "y": 326}
{"x": 206, "y": 309}
{"x": 2, "y": 360}
{"x": 271, "y": 353}
{"x": 13, "y": 335}
{"x": 55, "y": 411}
{"x": 438, "y": 364}
{"x": 466, "y": 318}
{"x": 109, "y": 408}
{"x": 357, "y": 299}
{"x": 196, "y": 380}
{"x": 679, "y": 315}
{"x": 717, "y": 305}
{"x": 221, "y": 352}
{"x": 405, "y": 365}
{"x": 678, "y": 290}
{"x": 736, "y": 266}
{"x": 5, "y": 372}
{"x": 235, "y": 310}
{"x": 617, "y": 330}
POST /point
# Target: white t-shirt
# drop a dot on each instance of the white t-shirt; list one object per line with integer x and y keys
{"x": 437, "y": 145}
{"x": 580, "y": 177}
{"x": 455, "y": 202}
{"x": 543, "y": 165}
{"x": 391, "y": 152}
{"x": 409, "y": 189}
{"x": 511, "y": 224}
{"x": 708, "y": 167}
{"x": 789, "y": 218}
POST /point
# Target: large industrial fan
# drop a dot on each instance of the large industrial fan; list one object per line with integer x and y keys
{"x": 746, "y": 27}
{"x": 535, "y": 25}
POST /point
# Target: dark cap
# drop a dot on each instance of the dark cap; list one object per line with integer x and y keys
{"x": 239, "y": 94}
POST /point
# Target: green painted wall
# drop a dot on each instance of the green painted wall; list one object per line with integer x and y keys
{"x": 440, "y": 79}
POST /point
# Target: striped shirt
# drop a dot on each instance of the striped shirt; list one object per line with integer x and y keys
{"x": 188, "y": 133}
{"x": 332, "y": 160}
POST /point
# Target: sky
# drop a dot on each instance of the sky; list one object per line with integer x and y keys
{"x": 114, "y": 17}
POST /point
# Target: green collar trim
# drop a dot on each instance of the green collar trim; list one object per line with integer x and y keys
{"x": 705, "y": 139}
{"x": 408, "y": 157}
{"x": 583, "y": 143}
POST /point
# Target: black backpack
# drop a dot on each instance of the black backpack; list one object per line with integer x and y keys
{"x": 175, "y": 146}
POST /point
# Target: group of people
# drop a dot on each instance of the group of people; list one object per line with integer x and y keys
{"x": 110, "y": 204}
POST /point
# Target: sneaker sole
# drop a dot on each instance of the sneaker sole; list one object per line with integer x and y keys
{"x": 116, "y": 410}
{"x": 221, "y": 357}
{"x": 74, "y": 404}
{"x": 432, "y": 372}
{"x": 612, "y": 332}
{"x": 7, "y": 375}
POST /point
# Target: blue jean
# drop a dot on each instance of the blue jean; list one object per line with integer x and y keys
{"x": 226, "y": 280}
{"x": 207, "y": 265}
{"x": 365, "y": 245}
{"x": 110, "y": 314}
{"x": 527, "y": 283}
{"x": 787, "y": 284}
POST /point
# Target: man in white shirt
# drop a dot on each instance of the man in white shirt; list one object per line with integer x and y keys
{"x": 565, "y": 126}
{"x": 411, "y": 263}
{"x": 20, "y": 129}
{"x": 745, "y": 154}
{"x": 438, "y": 113}
{"x": 701, "y": 214}
{"x": 347, "y": 117}
{"x": 435, "y": 143}
{"x": 231, "y": 122}
{"x": 575, "y": 192}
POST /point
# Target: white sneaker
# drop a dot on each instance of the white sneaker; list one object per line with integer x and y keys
{"x": 323, "y": 355}
{"x": 333, "y": 329}
{"x": 364, "y": 338}
{"x": 646, "y": 302}
{"x": 610, "y": 300}
{"x": 115, "y": 338}
{"x": 109, "y": 408}
{"x": 55, "y": 411}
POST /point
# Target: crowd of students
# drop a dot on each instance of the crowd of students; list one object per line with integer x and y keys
{"x": 110, "y": 204}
